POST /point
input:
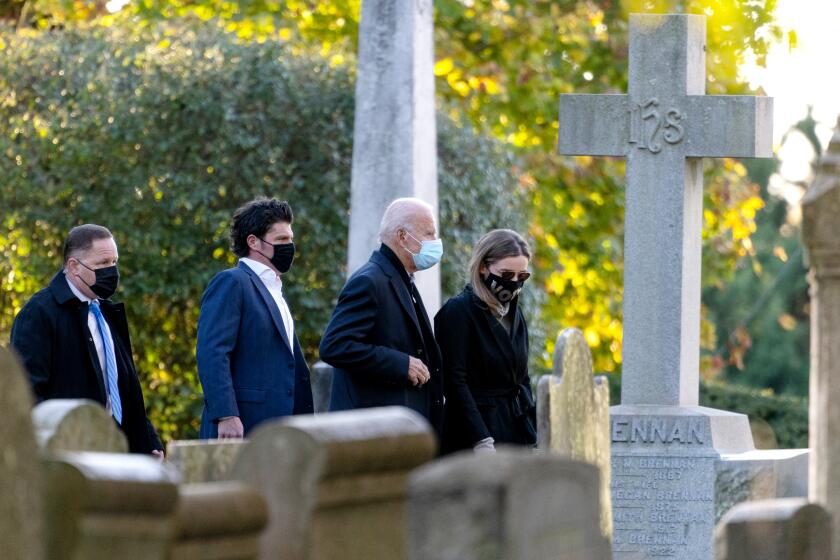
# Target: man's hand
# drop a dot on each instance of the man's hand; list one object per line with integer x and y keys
{"x": 231, "y": 428}
{"x": 418, "y": 373}
{"x": 158, "y": 454}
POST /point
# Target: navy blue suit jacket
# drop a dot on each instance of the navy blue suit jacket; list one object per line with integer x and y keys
{"x": 370, "y": 337}
{"x": 247, "y": 366}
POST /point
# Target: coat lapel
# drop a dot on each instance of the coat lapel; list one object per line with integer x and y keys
{"x": 404, "y": 297}
{"x": 270, "y": 303}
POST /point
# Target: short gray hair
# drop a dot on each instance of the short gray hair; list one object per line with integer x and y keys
{"x": 399, "y": 214}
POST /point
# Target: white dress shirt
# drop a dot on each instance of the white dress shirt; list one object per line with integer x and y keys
{"x": 274, "y": 285}
{"x": 93, "y": 327}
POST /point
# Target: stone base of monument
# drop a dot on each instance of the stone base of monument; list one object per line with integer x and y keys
{"x": 664, "y": 471}
{"x": 761, "y": 474}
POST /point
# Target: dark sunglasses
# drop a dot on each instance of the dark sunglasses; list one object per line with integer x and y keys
{"x": 511, "y": 275}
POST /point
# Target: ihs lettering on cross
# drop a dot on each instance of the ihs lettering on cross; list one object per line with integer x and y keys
{"x": 663, "y": 126}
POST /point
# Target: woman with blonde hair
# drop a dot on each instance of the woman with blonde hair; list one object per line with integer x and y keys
{"x": 484, "y": 344}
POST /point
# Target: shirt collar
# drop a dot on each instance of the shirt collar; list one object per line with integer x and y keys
{"x": 263, "y": 271}
{"x": 76, "y": 291}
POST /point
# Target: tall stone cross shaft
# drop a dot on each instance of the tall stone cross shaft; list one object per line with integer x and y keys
{"x": 663, "y": 126}
{"x": 394, "y": 135}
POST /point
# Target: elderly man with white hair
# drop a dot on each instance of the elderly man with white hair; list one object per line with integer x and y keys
{"x": 379, "y": 339}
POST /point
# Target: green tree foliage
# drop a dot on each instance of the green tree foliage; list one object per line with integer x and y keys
{"x": 501, "y": 65}
{"x": 762, "y": 313}
{"x": 160, "y": 134}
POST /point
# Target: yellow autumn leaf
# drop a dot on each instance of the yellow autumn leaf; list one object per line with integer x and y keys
{"x": 444, "y": 66}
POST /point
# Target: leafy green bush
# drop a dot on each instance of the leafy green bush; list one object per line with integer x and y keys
{"x": 159, "y": 134}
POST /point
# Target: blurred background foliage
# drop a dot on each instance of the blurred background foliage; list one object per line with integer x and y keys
{"x": 214, "y": 101}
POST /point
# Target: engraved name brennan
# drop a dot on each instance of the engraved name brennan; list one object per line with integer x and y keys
{"x": 645, "y": 430}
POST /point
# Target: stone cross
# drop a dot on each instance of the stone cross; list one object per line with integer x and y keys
{"x": 663, "y": 126}
{"x": 394, "y": 135}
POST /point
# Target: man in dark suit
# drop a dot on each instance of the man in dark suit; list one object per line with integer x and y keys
{"x": 74, "y": 341}
{"x": 249, "y": 359}
{"x": 380, "y": 339}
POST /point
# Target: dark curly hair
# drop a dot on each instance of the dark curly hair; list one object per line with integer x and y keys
{"x": 256, "y": 218}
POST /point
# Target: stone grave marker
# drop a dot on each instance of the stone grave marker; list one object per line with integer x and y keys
{"x": 206, "y": 460}
{"x": 785, "y": 529}
{"x": 322, "y": 376}
{"x": 820, "y": 224}
{"x": 394, "y": 135}
{"x": 21, "y": 526}
{"x": 665, "y": 446}
{"x": 218, "y": 521}
{"x": 106, "y": 505}
{"x": 76, "y": 425}
{"x": 511, "y": 505}
{"x": 573, "y": 411}
{"x": 336, "y": 483}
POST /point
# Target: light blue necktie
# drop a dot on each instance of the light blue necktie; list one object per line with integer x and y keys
{"x": 110, "y": 362}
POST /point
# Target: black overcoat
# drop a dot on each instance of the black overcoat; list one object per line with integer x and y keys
{"x": 373, "y": 331}
{"x": 485, "y": 371}
{"x": 51, "y": 336}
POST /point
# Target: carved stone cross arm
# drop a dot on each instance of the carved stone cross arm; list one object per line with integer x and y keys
{"x": 697, "y": 125}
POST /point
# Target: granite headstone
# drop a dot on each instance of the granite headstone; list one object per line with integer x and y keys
{"x": 664, "y": 446}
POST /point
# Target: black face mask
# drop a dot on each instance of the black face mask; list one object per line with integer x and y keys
{"x": 504, "y": 290}
{"x": 107, "y": 280}
{"x": 284, "y": 254}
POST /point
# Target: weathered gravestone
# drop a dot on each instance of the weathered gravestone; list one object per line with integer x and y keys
{"x": 664, "y": 446}
{"x": 21, "y": 526}
{"x": 511, "y": 505}
{"x": 76, "y": 425}
{"x": 394, "y": 136}
{"x": 322, "y": 376}
{"x": 786, "y": 529}
{"x": 573, "y": 415}
{"x": 336, "y": 483}
{"x": 218, "y": 521}
{"x": 204, "y": 460}
{"x": 108, "y": 505}
{"x": 820, "y": 226}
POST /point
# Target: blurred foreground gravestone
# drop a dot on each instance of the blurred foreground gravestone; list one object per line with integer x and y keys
{"x": 76, "y": 425}
{"x": 509, "y": 505}
{"x": 336, "y": 483}
{"x": 785, "y": 529}
{"x": 21, "y": 519}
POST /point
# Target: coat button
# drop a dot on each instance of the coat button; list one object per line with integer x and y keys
{"x": 419, "y": 351}
{"x": 290, "y": 392}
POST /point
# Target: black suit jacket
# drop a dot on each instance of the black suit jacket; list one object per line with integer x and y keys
{"x": 52, "y": 337}
{"x": 485, "y": 368}
{"x": 373, "y": 331}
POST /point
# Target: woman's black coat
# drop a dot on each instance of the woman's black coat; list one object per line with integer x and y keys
{"x": 485, "y": 372}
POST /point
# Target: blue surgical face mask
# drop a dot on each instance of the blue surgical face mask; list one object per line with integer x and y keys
{"x": 430, "y": 253}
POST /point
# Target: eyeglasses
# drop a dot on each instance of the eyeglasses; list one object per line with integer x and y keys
{"x": 511, "y": 274}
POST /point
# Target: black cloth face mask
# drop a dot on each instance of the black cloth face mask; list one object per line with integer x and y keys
{"x": 504, "y": 290}
{"x": 107, "y": 280}
{"x": 284, "y": 254}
